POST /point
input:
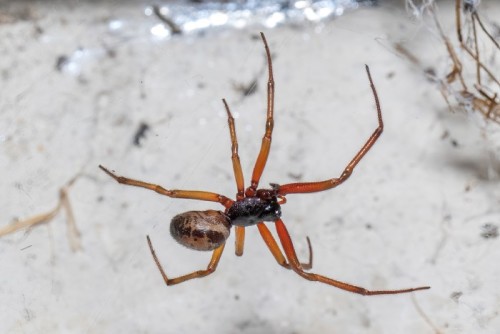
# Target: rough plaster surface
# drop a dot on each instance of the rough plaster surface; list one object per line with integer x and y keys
{"x": 411, "y": 214}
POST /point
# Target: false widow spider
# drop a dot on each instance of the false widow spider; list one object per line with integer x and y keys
{"x": 208, "y": 230}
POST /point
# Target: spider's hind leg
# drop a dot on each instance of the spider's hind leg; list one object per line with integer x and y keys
{"x": 275, "y": 250}
{"x": 212, "y": 265}
{"x": 287, "y": 244}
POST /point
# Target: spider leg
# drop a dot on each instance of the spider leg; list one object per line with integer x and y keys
{"x": 287, "y": 244}
{"x": 238, "y": 173}
{"x": 309, "y": 187}
{"x": 188, "y": 194}
{"x": 266, "y": 140}
{"x": 212, "y": 265}
{"x": 275, "y": 250}
{"x": 239, "y": 240}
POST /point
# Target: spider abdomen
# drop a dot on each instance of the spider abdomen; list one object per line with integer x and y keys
{"x": 200, "y": 230}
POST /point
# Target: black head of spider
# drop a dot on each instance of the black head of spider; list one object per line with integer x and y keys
{"x": 252, "y": 210}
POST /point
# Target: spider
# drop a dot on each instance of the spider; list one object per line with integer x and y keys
{"x": 209, "y": 230}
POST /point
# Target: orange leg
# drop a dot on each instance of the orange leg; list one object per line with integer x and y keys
{"x": 238, "y": 173}
{"x": 266, "y": 140}
{"x": 240, "y": 240}
{"x": 309, "y": 187}
{"x": 275, "y": 250}
{"x": 212, "y": 265}
{"x": 188, "y": 194}
{"x": 287, "y": 244}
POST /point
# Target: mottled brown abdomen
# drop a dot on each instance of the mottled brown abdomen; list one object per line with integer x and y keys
{"x": 201, "y": 230}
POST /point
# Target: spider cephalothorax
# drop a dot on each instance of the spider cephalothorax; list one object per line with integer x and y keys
{"x": 208, "y": 230}
{"x": 252, "y": 210}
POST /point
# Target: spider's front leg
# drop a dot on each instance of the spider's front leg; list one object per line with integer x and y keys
{"x": 188, "y": 194}
{"x": 309, "y": 187}
{"x": 261, "y": 161}
{"x": 238, "y": 176}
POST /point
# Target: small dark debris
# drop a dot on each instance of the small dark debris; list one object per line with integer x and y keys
{"x": 390, "y": 75}
{"x": 253, "y": 325}
{"x": 236, "y": 297}
{"x": 430, "y": 74}
{"x": 454, "y": 143}
{"x": 244, "y": 324}
{"x": 368, "y": 226}
{"x": 100, "y": 199}
{"x": 143, "y": 94}
{"x": 140, "y": 134}
{"x": 255, "y": 37}
{"x": 246, "y": 89}
{"x": 295, "y": 176}
{"x": 61, "y": 62}
{"x": 489, "y": 231}
{"x": 39, "y": 30}
{"x": 469, "y": 7}
{"x": 26, "y": 247}
{"x": 111, "y": 53}
{"x": 174, "y": 28}
{"x": 456, "y": 296}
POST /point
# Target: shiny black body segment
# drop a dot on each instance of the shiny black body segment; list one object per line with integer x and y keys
{"x": 252, "y": 210}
